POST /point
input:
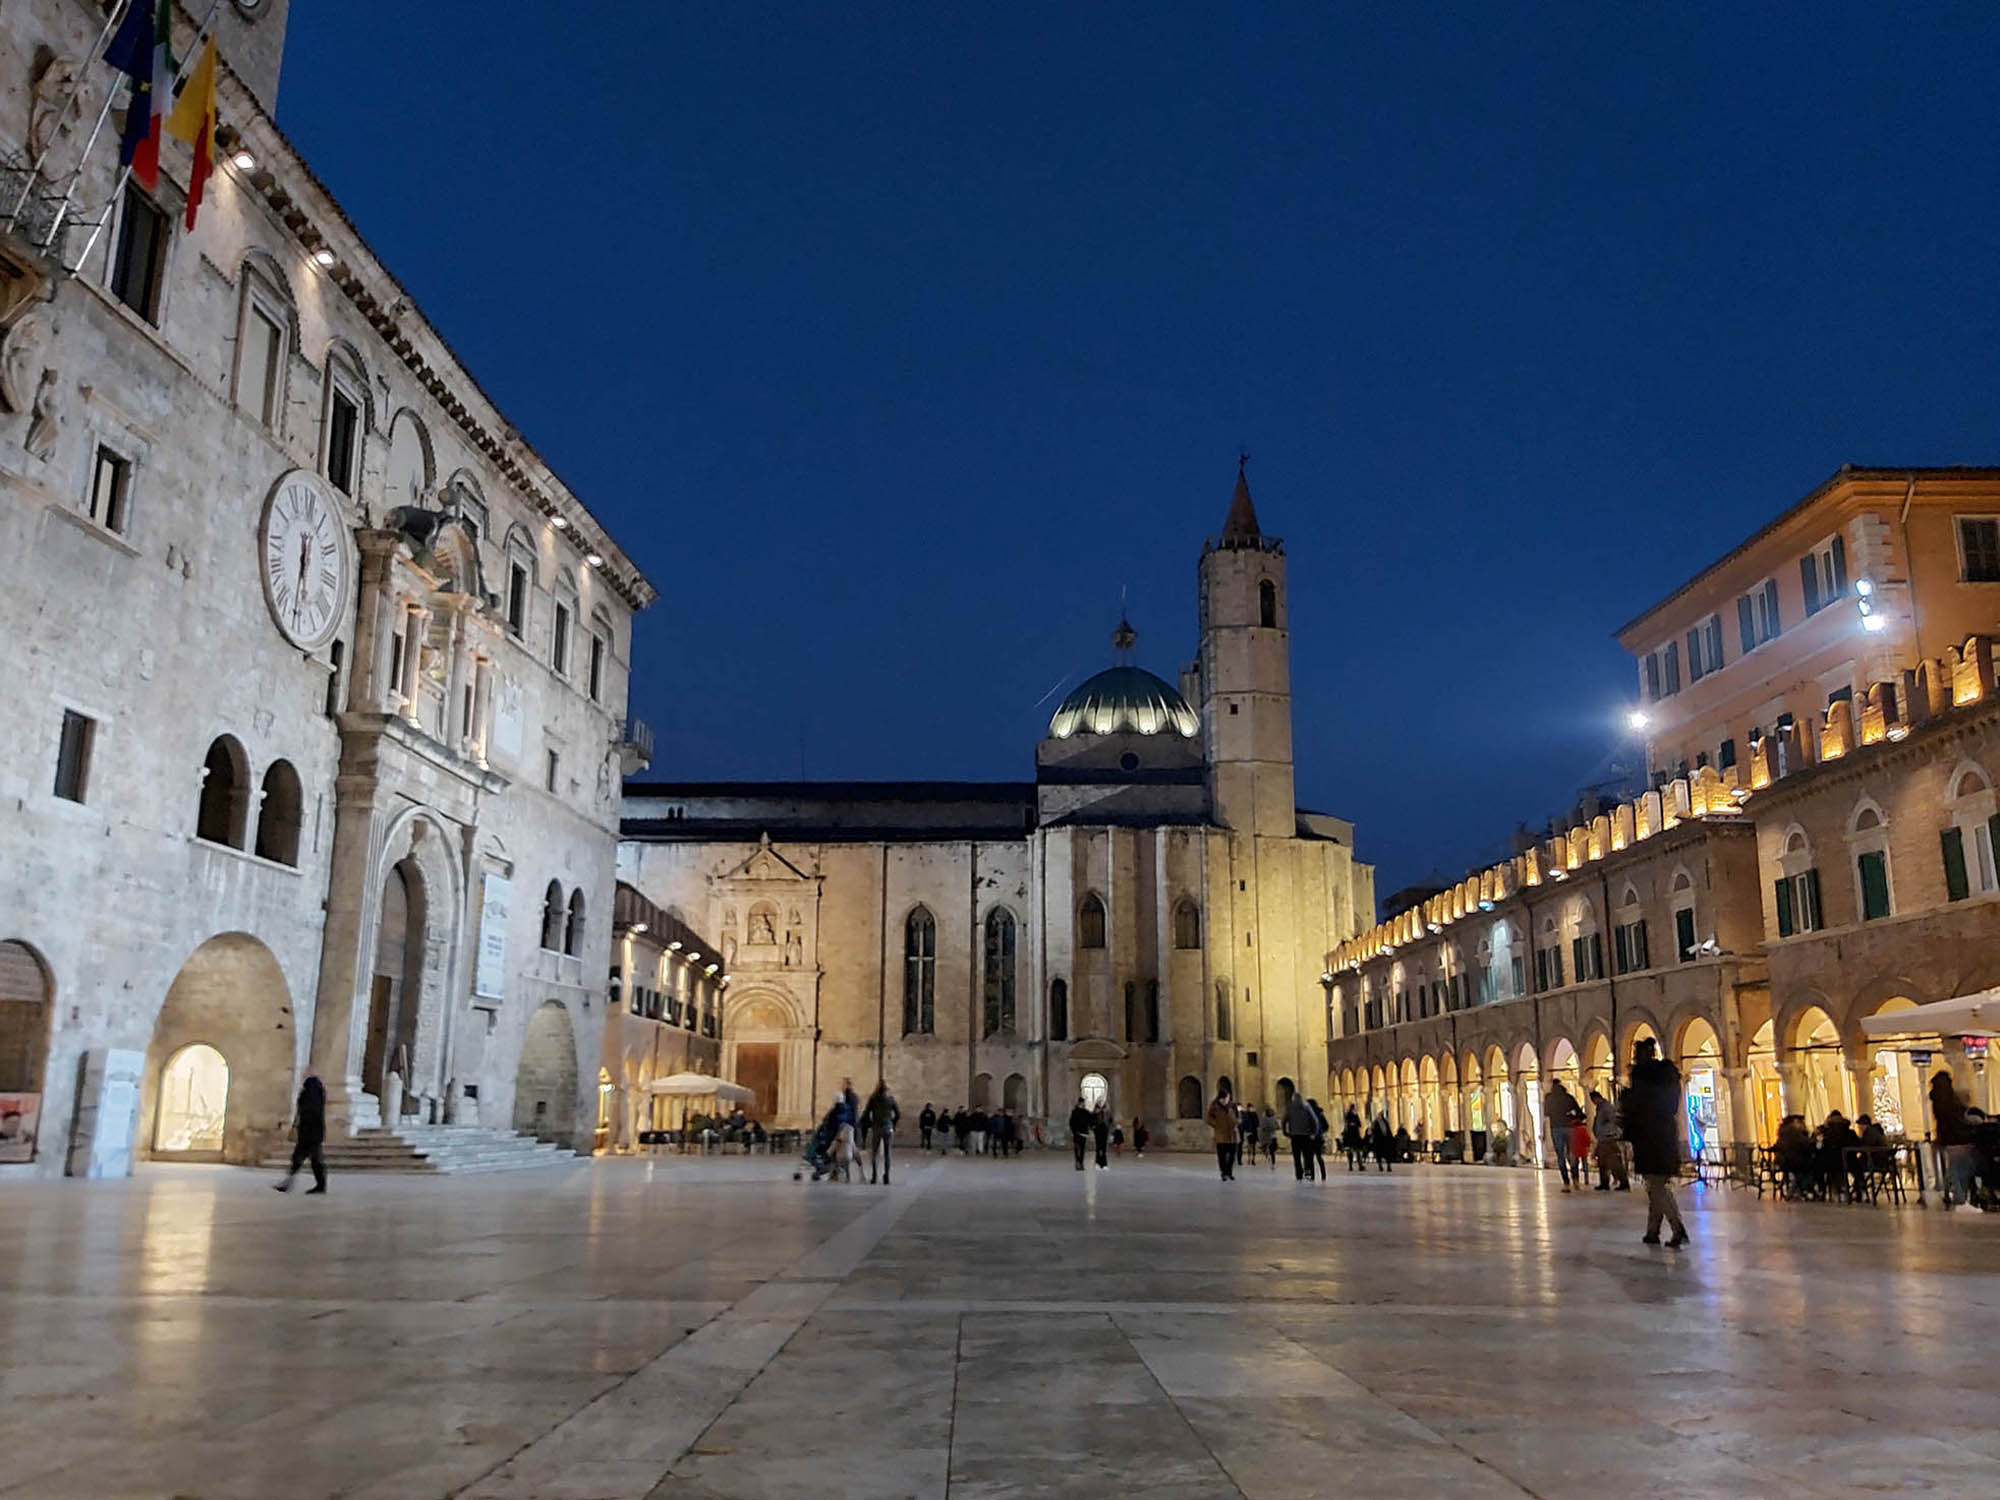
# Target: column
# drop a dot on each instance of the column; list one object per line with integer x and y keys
{"x": 1741, "y": 1127}
{"x": 373, "y": 621}
{"x": 415, "y": 621}
{"x": 482, "y": 707}
{"x": 1861, "y": 1082}
{"x": 456, "y": 730}
{"x": 1792, "y": 1091}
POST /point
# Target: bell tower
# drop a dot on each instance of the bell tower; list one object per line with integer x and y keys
{"x": 1246, "y": 675}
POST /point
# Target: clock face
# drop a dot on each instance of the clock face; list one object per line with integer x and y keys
{"x": 305, "y": 560}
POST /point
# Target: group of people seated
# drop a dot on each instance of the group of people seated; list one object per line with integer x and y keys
{"x": 1816, "y": 1164}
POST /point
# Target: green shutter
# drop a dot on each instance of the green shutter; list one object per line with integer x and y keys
{"x": 1784, "y": 889}
{"x": 1641, "y": 959}
{"x": 1874, "y": 885}
{"x": 1812, "y": 918}
{"x": 1956, "y": 887}
{"x": 1809, "y": 580}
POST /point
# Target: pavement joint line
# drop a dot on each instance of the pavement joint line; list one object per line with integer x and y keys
{"x": 861, "y": 1234}
{"x": 1179, "y": 1411}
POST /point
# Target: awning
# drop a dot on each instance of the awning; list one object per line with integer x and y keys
{"x": 1968, "y": 1015}
{"x": 700, "y": 1086}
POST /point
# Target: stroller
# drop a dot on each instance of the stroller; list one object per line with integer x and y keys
{"x": 823, "y": 1152}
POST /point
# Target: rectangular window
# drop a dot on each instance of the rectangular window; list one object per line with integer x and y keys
{"x": 110, "y": 485}
{"x": 1670, "y": 669}
{"x": 559, "y": 643}
{"x": 1823, "y": 574}
{"x": 1629, "y": 947}
{"x": 343, "y": 421}
{"x": 1873, "y": 868}
{"x": 1956, "y": 886}
{"x": 1653, "y": 677}
{"x": 555, "y": 769}
{"x": 517, "y": 599}
{"x": 73, "y": 756}
{"x": 1704, "y": 644}
{"x": 139, "y": 258}
{"x": 1684, "y": 943}
{"x": 336, "y": 658}
{"x": 1727, "y": 757}
{"x": 1798, "y": 904}
{"x": 1746, "y": 622}
{"x": 1757, "y": 615}
{"x": 1549, "y": 968}
{"x": 1979, "y": 548}
{"x": 1711, "y": 635}
{"x": 597, "y": 669}
{"x": 1587, "y": 953}
{"x": 261, "y": 364}
{"x": 1519, "y": 974}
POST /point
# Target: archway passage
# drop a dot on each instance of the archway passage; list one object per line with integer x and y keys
{"x": 227, "y": 1021}
{"x": 24, "y": 1044}
{"x": 194, "y": 1103}
{"x": 395, "y": 983}
{"x": 545, "y": 1083}
{"x": 1817, "y": 1054}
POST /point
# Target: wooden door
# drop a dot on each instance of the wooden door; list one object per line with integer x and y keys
{"x": 757, "y": 1070}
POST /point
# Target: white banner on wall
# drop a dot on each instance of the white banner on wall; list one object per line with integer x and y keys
{"x": 490, "y": 973}
{"x": 510, "y": 723}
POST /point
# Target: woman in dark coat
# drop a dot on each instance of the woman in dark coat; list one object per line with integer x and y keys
{"x": 1650, "y": 1118}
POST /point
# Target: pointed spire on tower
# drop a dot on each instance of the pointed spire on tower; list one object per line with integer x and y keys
{"x": 1242, "y": 520}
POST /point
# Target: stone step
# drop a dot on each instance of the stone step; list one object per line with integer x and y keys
{"x": 437, "y": 1148}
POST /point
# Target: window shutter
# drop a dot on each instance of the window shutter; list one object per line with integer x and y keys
{"x": 1811, "y": 919}
{"x": 1956, "y": 887}
{"x": 1694, "y": 655}
{"x": 1640, "y": 959}
{"x": 1784, "y": 889}
{"x": 1746, "y": 623}
{"x": 1874, "y": 885}
{"x": 1839, "y": 568}
{"x": 1621, "y": 952}
{"x": 1993, "y": 835}
{"x": 1809, "y": 576}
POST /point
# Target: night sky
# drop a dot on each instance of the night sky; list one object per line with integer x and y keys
{"x": 894, "y": 344}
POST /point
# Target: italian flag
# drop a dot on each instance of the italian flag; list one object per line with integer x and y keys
{"x": 143, "y": 51}
{"x": 193, "y": 121}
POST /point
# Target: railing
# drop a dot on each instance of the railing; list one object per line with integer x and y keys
{"x": 635, "y": 744}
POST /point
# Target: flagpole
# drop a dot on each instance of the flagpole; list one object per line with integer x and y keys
{"x": 35, "y": 166}
{"x": 125, "y": 175}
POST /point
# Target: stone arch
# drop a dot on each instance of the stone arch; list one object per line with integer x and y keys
{"x": 410, "y": 472}
{"x": 767, "y": 1047}
{"x": 1014, "y": 1094}
{"x": 545, "y": 1080}
{"x": 280, "y": 814}
{"x": 1597, "y": 1058}
{"x": 575, "y": 924}
{"x": 1187, "y": 1098}
{"x": 193, "y": 1107}
{"x": 1636, "y": 1021}
{"x": 27, "y": 1000}
{"x": 408, "y": 1013}
{"x": 222, "y": 814}
{"x": 982, "y": 1091}
{"x": 1814, "y": 1056}
{"x": 229, "y": 995}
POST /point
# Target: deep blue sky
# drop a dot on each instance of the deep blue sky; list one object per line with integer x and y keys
{"x": 894, "y": 340}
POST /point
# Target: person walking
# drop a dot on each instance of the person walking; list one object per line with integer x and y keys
{"x": 1650, "y": 1119}
{"x": 1954, "y": 1139}
{"x": 1140, "y": 1135}
{"x": 1560, "y": 1116}
{"x": 1350, "y": 1138}
{"x": 926, "y": 1125}
{"x": 1609, "y": 1150}
{"x": 1319, "y": 1137}
{"x": 1225, "y": 1126}
{"x": 1267, "y": 1135}
{"x": 880, "y": 1116}
{"x": 309, "y": 1135}
{"x": 1303, "y": 1129}
{"x": 1381, "y": 1144}
{"x": 1079, "y": 1130}
{"x": 1100, "y": 1135}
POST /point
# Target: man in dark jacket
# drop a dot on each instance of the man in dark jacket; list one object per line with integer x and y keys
{"x": 1954, "y": 1138}
{"x": 1302, "y": 1126}
{"x": 926, "y": 1123}
{"x": 1100, "y": 1134}
{"x": 309, "y": 1135}
{"x": 1650, "y": 1119}
{"x": 879, "y": 1117}
{"x": 1079, "y": 1131}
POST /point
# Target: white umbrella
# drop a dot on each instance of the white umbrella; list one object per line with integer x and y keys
{"x": 700, "y": 1086}
{"x": 1976, "y": 1014}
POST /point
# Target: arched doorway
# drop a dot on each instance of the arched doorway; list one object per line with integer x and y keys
{"x": 1407, "y": 1115}
{"x": 194, "y": 1102}
{"x": 1699, "y": 1057}
{"x": 1597, "y": 1068}
{"x": 227, "y": 1019}
{"x": 545, "y": 1083}
{"x": 982, "y": 1092}
{"x": 1528, "y": 1077}
{"x": 1014, "y": 1094}
{"x": 1499, "y": 1097}
{"x": 395, "y": 987}
{"x": 1767, "y": 1093}
{"x": 1474, "y": 1080}
{"x": 1822, "y": 1077}
{"x": 24, "y": 1046}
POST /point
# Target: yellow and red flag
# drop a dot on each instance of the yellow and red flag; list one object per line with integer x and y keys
{"x": 193, "y": 121}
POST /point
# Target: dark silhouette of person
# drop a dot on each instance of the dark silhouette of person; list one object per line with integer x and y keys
{"x": 309, "y": 1135}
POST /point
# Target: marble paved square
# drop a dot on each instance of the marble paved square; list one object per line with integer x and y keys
{"x": 710, "y": 1328}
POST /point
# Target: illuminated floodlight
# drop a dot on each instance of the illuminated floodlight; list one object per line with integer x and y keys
{"x": 1636, "y": 721}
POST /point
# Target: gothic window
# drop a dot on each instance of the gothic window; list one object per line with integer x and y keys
{"x": 1187, "y": 925}
{"x": 1267, "y": 604}
{"x": 279, "y": 814}
{"x": 573, "y": 928}
{"x": 919, "y": 974}
{"x": 554, "y": 915}
{"x": 999, "y": 972}
{"x": 1058, "y": 1010}
{"x": 24, "y": 1020}
{"x": 1090, "y": 923}
{"x": 225, "y": 794}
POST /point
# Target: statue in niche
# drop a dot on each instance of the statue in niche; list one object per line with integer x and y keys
{"x": 729, "y": 951}
{"x": 795, "y": 950}
{"x": 46, "y": 421}
{"x": 54, "y": 101}
{"x": 28, "y": 339}
{"x": 763, "y": 926}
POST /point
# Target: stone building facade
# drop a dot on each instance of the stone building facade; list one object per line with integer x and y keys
{"x": 1830, "y": 860}
{"x": 665, "y": 1017}
{"x": 1144, "y": 919}
{"x": 320, "y": 671}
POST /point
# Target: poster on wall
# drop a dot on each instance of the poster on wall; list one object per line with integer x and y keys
{"x": 509, "y": 721}
{"x": 20, "y": 1117}
{"x": 489, "y": 979}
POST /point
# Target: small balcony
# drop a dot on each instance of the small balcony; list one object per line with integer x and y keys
{"x": 634, "y": 745}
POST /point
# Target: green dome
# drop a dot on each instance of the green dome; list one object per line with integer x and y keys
{"x": 1124, "y": 700}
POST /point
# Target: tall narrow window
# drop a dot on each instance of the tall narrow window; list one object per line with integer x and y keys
{"x": 260, "y": 365}
{"x": 596, "y": 668}
{"x": 343, "y": 424}
{"x": 280, "y": 814}
{"x": 1187, "y": 925}
{"x": 999, "y": 972}
{"x": 555, "y": 769}
{"x": 1152, "y": 1010}
{"x": 554, "y": 917}
{"x": 517, "y": 599}
{"x": 1267, "y": 604}
{"x": 559, "y": 640}
{"x": 573, "y": 928}
{"x": 110, "y": 484}
{"x": 1222, "y": 1010}
{"x": 336, "y": 656}
{"x": 919, "y": 974}
{"x": 73, "y": 756}
{"x": 139, "y": 258}
{"x": 1090, "y": 922}
{"x": 1058, "y": 1010}
{"x": 225, "y": 794}
{"x": 1131, "y": 1011}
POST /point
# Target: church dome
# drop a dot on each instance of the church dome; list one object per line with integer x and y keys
{"x": 1124, "y": 700}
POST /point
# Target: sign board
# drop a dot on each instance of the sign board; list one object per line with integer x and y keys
{"x": 1920, "y": 1059}
{"x": 510, "y": 722}
{"x": 20, "y": 1120}
{"x": 1975, "y": 1047}
{"x": 107, "y": 1113}
{"x": 490, "y": 972}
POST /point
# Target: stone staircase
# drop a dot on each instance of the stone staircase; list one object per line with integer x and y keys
{"x": 435, "y": 1148}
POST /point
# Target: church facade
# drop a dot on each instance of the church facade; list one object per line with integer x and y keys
{"x": 1145, "y": 918}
